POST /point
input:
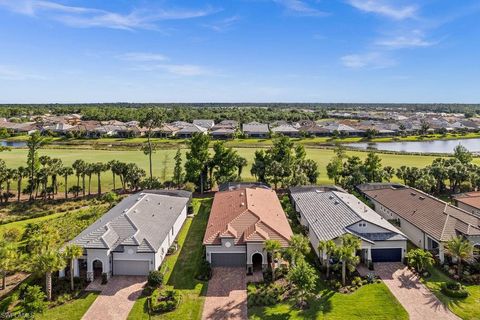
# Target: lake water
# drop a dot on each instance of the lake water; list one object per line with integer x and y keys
{"x": 436, "y": 146}
{"x": 13, "y": 144}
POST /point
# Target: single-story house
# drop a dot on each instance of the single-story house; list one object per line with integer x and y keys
{"x": 329, "y": 212}
{"x": 256, "y": 130}
{"x": 133, "y": 237}
{"x": 188, "y": 132}
{"x": 469, "y": 201}
{"x": 286, "y": 130}
{"x": 427, "y": 221}
{"x": 166, "y": 131}
{"x": 223, "y": 133}
{"x": 315, "y": 130}
{"x": 240, "y": 221}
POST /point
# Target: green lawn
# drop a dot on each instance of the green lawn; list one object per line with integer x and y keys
{"x": 163, "y": 161}
{"x": 468, "y": 308}
{"x": 181, "y": 267}
{"x": 372, "y": 301}
{"x": 73, "y": 310}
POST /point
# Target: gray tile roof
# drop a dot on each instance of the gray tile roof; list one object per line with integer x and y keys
{"x": 255, "y": 127}
{"x": 143, "y": 219}
{"x": 331, "y": 213}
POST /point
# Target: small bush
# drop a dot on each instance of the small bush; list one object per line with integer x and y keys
{"x": 265, "y": 295}
{"x": 454, "y": 290}
{"x": 34, "y": 300}
{"x": 189, "y": 186}
{"x": 104, "y": 278}
{"x": 155, "y": 279}
{"x": 204, "y": 273}
{"x": 164, "y": 300}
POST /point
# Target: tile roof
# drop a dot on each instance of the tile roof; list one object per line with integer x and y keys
{"x": 248, "y": 214}
{"x": 330, "y": 213}
{"x": 435, "y": 217}
{"x": 255, "y": 127}
{"x": 284, "y": 128}
{"x": 143, "y": 219}
{"x": 470, "y": 198}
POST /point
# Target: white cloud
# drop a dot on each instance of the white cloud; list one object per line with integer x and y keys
{"x": 84, "y": 17}
{"x": 142, "y": 56}
{"x": 414, "y": 40}
{"x": 384, "y": 8}
{"x": 223, "y": 25}
{"x": 373, "y": 60}
{"x": 187, "y": 70}
{"x": 299, "y": 7}
{"x": 12, "y": 73}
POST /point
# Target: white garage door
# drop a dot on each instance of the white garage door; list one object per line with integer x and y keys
{"x": 130, "y": 267}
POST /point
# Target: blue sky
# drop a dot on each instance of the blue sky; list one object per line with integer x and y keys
{"x": 239, "y": 51}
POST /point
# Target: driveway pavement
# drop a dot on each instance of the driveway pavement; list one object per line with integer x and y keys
{"x": 226, "y": 295}
{"x": 419, "y": 302}
{"x": 116, "y": 299}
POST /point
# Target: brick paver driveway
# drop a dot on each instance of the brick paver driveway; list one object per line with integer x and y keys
{"x": 116, "y": 299}
{"x": 419, "y": 302}
{"x": 226, "y": 295}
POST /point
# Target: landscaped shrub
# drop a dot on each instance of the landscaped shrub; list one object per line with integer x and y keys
{"x": 265, "y": 295}
{"x": 173, "y": 248}
{"x": 189, "y": 186}
{"x": 370, "y": 278}
{"x": 104, "y": 278}
{"x": 204, "y": 272}
{"x": 34, "y": 300}
{"x": 454, "y": 290}
{"x": 164, "y": 300}
{"x": 155, "y": 279}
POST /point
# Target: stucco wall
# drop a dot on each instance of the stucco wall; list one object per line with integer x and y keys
{"x": 468, "y": 208}
{"x": 253, "y": 248}
{"x": 369, "y": 228}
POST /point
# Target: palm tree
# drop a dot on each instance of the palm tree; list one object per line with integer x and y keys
{"x": 152, "y": 119}
{"x": 420, "y": 259}
{"x": 461, "y": 249}
{"x": 47, "y": 262}
{"x": 65, "y": 172}
{"x": 56, "y": 166}
{"x": 272, "y": 247}
{"x": 327, "y": 249}
{"x": 99, "y": 167}
{"x": 298, "y": 247}
{"x": 8, "y": 259}
{"x": 112, "y": 165}
{"x": 89, "y": 171}
{"x": 79, "y": 167}
{"x": 10, "y": 174}
{"x": 22, "y": 173}
{"x": 71, "y": 253}
{"x": 346, "y": 253}
{"x": 33, "y": 144}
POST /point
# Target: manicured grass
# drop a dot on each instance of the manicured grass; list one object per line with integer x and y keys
{"x": 468, "y": 308}
{"x": 73, "y": 310}
{"x": 20, "y": 225}
{"x": 163, "y": 161}
{"x": 372, "y": 301}
{"x": 181, "y": 267}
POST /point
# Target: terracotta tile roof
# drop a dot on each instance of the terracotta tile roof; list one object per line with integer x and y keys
{"x": 470, "y": 198}
{"x": 248, "y": 214}
{"x": 435, "y": 217}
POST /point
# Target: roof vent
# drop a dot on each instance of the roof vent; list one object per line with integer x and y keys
{"x": 331, "y": 197}
{"x": 242, "y": 204}
{"x": 336, "y": 202}
{"x": 421, "y": 198}
{"x": 241, "y": 193}
{"x": 413, "y": 193}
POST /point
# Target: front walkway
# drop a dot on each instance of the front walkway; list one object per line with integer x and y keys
{"x": 419, "y": 302}
{"x": 226, "y": 295}
{"x": 116, "y": 298}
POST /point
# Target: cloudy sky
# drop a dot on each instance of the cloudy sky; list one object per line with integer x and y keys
{"x": 239, "y": 51}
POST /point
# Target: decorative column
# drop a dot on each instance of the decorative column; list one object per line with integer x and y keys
{"x": 76, "y": 268}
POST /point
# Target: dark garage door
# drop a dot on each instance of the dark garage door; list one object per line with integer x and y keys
{"x": 387, "y": 255}
{"x": 228, "y": 259}
{"x": 130, "y": 267}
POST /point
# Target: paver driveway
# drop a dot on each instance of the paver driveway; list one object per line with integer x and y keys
{"x": 226, "y": 295}
{"x": 116, "y": 299}
{"x": 419, "y": 302}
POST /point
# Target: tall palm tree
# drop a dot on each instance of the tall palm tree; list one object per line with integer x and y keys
{"x": 71, "y": 253}
{"x": 346, "y": 253}
{"x": 89, "y": 171}
{"x": 327, "y": 248}
{"x": 47, "y": 262}
{"x": 8, "y": 259}
{"x": 79, "y": 167}
{"x": 272, "y": 247}
{"x": 3, "y": 176}
{"x": 461, "y": 249}
{"x": 65, "y": 172}
{"x": 34, "y": 143}
{"x": 22, "y": 173}
{"x": 56, "y": 166}
{"x": 112, "y": 164}
{"x": 99, "y": 167}
{"x": 152, "y": 119}
{"x": 10, "y": 174}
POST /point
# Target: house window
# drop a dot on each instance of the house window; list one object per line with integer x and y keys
{"x": 432, "y": 244}
{"x": 362, "y": 224}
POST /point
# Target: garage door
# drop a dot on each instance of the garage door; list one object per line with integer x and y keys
{"x": 387, "y": 255}
{"x": 130, "y": 267}
{"x": 228, "y": 259}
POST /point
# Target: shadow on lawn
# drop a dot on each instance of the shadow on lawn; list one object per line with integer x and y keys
{"x": 191, "y": 252}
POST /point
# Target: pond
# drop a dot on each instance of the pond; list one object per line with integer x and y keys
{"x": 436, "y": 146}
{"x": 13, "y": 144}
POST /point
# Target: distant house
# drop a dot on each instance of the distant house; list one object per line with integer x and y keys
{"x": 133, "y": 237}
{"x": 188, "y": 132}
{"x": 256, "y": 130}
{"x": 329, "y": 212}
{"x": 208, "y": 124}
{"x": 226, "y": 124}
{"x": 223, "y": 133}
{"x": 427, "y": 221}
{"x": 314, "y": 130}
{"x": 344, "y": 129}
{"x": 167, "y": 130}
{"x": 240, "y": 222}
{"x": 20, "y": 127}
{"x": 286, "y": 130}
{"x": 469, "y": 201}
